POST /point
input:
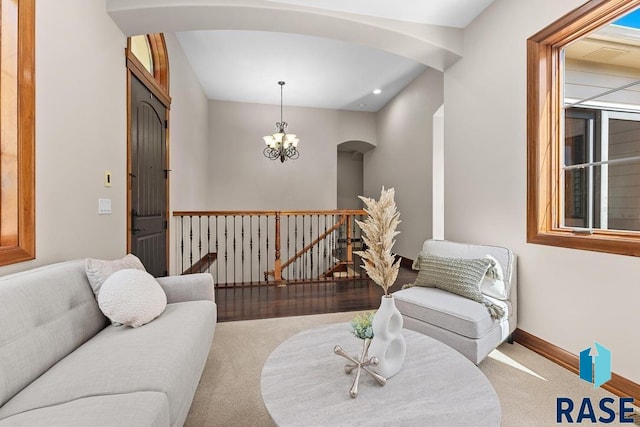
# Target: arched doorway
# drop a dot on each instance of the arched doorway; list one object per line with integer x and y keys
{"x": 350, "y": 173}
{"x": 148, "y": 151}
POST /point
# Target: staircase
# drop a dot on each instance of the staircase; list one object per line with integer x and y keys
{"x": 251, "y": 248}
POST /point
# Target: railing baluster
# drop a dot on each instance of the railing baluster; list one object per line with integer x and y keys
{"x": 311, "y": 240}
{"x": 277, "y": 264}
{"x": 199, "y": 237}
{"x": 295, "y": 241}
{"x": 259, "y": 247}
{"x": 251, "y": 249}
{"x": 242, "y": 248}
{"x": 182, "y": 243}
{"x": 234, "y": 250}
{"x": 226, "y": 251}
{"x": 208, "y": 243}
{"x": 267, "y": 246}
{"x": 288, "y": 253}
{"x": 190, "y": 240}
{"x": 217, "y": 265}
{"x": 324, "y": 247}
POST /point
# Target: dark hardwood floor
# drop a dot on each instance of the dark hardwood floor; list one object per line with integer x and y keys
{"x": 259, "y": 302}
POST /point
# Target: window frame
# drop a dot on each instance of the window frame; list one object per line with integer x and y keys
{"x": 544, "y": 139}
{"x": 25, "y": 249}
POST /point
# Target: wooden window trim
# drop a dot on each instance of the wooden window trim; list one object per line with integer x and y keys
{"x": 543, "y": 131}
{"x": 25, "y": 248}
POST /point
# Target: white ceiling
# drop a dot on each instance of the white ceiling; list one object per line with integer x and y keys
{"x": 245, "y": 66}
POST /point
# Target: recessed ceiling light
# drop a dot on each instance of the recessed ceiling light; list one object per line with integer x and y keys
{"x": 377, "y": 91}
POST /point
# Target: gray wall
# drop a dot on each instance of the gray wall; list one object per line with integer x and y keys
{"x": 189, "y": 142}
{"x": 403, "y": 158}
{"x": 80, "y": 133}
{"x": 241, "y": 178}
{"x": 568, "y": 297}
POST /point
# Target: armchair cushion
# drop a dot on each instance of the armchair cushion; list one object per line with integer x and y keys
{"x": 493, "y": 284}
{"x": 461, "y": 276}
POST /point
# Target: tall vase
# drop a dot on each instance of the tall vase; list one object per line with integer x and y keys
{"x": 388, "y": 343}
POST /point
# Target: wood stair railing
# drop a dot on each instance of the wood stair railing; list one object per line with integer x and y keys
{"x": 203, "y": 264}
{"x": 309, "y": 247}
{"x": 266, "y": 247}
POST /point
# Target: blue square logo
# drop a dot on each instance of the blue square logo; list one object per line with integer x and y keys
{"x": 595, "y": 365}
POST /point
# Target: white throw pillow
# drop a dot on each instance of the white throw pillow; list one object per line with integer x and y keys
{"x": 132, "y": 297}
{"x": 493, "y": 284}
{"x": 99, "y": 270}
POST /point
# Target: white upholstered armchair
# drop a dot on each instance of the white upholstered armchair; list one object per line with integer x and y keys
{"x": 462, "y": 323}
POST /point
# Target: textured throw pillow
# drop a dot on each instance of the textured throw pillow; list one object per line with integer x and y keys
{"x": 132, "y": 297}
{"x": 493, "y": 283}
{"x": 460, "y": 276}
{"x": 99, "y": 270}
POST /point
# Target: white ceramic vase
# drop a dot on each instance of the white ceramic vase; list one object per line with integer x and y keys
{"x": 388, "y": 343}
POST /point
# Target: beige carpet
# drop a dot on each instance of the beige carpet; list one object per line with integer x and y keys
{"x": 229, "y": 391}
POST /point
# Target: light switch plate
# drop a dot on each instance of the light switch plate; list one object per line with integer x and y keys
{"x": 107, "y": 178}
{"x": 104, "y": 206}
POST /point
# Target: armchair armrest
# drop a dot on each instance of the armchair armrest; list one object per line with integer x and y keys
{"x": 190, "y": 287}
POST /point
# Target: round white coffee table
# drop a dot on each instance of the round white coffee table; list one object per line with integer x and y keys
{"x": 304, "y": 384}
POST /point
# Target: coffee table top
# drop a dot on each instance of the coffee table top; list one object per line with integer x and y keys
{"x": 304, "y": 384}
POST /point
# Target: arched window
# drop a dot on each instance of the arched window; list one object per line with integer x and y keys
{"x": 147, "y": 58}
{"x": 141, "y": 49}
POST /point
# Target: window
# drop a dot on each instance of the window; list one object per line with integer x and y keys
{"x": 17, "y": 107}
{"x": 141, "y": 48}
{"x": 147, "y": 59}
{"x": 601, "y": 170}
{"x": 583, "y": 126}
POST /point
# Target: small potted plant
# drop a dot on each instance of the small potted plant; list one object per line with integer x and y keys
{"x": 361, "y": 325}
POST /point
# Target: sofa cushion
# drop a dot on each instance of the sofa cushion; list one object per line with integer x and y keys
{"x": 45, "y": 313}
{"x": 99, "y": 270}
{"x": 166, "y": 355}
{"x": 140, "y": 409}
{"x": 131, "y": 297}
{"x": 448, "y": 311}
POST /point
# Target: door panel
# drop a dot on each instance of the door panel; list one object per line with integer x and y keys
{"x": 148, "y": 179}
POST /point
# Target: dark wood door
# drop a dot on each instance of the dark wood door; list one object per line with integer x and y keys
{"x": 148, "y": 179}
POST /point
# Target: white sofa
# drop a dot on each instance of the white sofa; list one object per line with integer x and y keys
{"x": 63, "y": 364}
{"x": 461, "y": 323}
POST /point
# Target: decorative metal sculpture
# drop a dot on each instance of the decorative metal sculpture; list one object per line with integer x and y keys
{"x": 359, "y": 365}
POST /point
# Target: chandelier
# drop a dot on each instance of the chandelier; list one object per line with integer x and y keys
{"x": 281, "y": 145}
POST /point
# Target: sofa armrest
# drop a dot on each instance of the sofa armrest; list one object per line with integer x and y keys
{"x": 190, "y": 287}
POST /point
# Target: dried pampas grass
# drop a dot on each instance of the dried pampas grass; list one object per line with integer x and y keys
{"x": 379, "y": 231}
